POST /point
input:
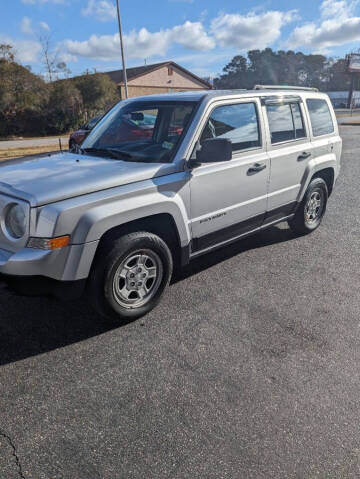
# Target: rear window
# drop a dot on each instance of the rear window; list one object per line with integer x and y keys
{"x": 285, "y": 122}
{"x": 320, "y": 117}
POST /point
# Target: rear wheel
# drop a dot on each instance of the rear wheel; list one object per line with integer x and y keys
{"x": 130, "y": 275}
{"x": 312, "y": 209}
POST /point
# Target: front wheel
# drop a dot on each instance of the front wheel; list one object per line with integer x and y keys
{"x": 312, "y": 209}
{"x": 130, "y": 275}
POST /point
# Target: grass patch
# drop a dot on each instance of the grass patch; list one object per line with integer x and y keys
{"x": 19, "y": 152}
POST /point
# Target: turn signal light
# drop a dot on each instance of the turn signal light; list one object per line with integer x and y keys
{"x": 49, "y": 243}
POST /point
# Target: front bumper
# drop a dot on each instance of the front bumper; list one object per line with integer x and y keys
{"x": 71, "y": 263}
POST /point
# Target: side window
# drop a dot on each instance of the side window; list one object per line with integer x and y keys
{"x": 239, "y": 123}
{"x": 285, "y": 122}
{"x": 320, "y": 117}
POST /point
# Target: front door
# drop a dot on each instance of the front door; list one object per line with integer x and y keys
{"x": 229, "y": 199}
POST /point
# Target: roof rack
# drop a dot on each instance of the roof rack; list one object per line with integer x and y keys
{"x": 283, "y": 87}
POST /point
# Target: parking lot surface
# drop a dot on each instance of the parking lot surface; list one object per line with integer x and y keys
{"x": 248, "y": 369}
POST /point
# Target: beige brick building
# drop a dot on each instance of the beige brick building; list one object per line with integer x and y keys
{"x": 166, "y": 77}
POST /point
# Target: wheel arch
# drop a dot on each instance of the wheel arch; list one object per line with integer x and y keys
{"x": 323, "y": 167}
{"x": 328, "y": 175}
{"x": 160, "y": 224}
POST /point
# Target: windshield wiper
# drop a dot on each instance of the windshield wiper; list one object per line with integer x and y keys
{"x": 112, "y": 152}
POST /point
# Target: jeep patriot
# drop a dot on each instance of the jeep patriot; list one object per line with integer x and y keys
{"x": 159, "y": 181}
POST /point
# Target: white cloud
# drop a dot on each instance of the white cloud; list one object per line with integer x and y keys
{"x": 341, "y": 8}
{"x": 45, "y": 26}
{"x": 27, "y": 51}
{"x": 103, "y": 10}
{"x": 26, "y": 26}
{"x": 250, "y": 31}
{"x": 142, "y": 44}
{"x": 193, "y": 36}
{"x": 338, "y": 25}
{"x": 66, "y": 57}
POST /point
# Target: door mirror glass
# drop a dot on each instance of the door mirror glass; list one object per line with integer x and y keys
{"x": 214, "y": 150}
{"x": 137, "y": 116}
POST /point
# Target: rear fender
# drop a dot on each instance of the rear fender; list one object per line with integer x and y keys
{"x": 314, "y": 166}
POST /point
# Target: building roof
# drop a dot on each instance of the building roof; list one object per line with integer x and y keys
{"x": 117, "y": 76}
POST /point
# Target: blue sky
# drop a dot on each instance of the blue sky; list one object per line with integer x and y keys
{"x": 202, "y": 35}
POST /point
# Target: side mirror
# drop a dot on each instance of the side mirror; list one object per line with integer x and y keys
{"x": 137, "y": 116}
{"x": 214, "y": 150}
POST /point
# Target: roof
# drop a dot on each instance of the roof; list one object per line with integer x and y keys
{"x": 117, "y": 76}
{"x": 197, "y": 95}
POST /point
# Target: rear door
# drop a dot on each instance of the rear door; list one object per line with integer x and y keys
{"x": 324, "y": 129}
{"x": 290, "y": 151}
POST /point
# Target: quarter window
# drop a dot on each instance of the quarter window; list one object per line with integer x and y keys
{"x": 239, "y": 123}
{"x": 285, "y": 122}
{"x": 320, "y": 117}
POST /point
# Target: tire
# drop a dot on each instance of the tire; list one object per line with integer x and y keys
{"x": 119, "y": 269}
{"x": 312, "y": 209}
{"x": 72, "y": 145}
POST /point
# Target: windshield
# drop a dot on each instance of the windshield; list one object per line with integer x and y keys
{"x": 146, "y": 131}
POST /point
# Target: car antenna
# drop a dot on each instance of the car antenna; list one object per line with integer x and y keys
{"x": 60, "y": 145}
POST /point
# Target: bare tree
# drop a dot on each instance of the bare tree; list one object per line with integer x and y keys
{"x": 50, "y": 59}
{"x": 50, "y": 55}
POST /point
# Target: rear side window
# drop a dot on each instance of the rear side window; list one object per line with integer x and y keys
{"x": 320, "y": 117}
{"x": 285, "y": 122}
{"x": 239, "y": 123}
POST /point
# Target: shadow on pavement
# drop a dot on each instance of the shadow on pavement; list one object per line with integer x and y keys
{"x": 31, "y": 326}
{"x": 272, "y": 235}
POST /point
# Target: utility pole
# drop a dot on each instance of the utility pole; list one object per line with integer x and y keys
{"x": 351, "y": 90}
{"x": 122, "y": 50}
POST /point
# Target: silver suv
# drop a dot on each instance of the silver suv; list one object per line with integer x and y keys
{"x": 159, "y": 181}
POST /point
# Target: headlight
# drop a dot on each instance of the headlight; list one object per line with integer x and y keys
{"x": 15, "y": 221}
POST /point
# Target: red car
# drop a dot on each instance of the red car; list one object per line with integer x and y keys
{"x": 79, "y": 135}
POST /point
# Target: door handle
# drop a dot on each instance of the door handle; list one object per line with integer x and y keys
{"x": 304, "y": 156}
{"x": 255, "y": 168}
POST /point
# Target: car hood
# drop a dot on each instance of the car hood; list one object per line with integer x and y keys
{"x": 65, "y": 175}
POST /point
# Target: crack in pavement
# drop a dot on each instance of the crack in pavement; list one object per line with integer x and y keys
{"x": 14, "y": 453}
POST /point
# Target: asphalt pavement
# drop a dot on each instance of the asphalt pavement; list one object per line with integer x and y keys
{"x": 249, "y": 368}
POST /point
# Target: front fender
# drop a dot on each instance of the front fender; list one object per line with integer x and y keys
{"x": 89, "y": 220}
{"x": 100, "y": 219}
